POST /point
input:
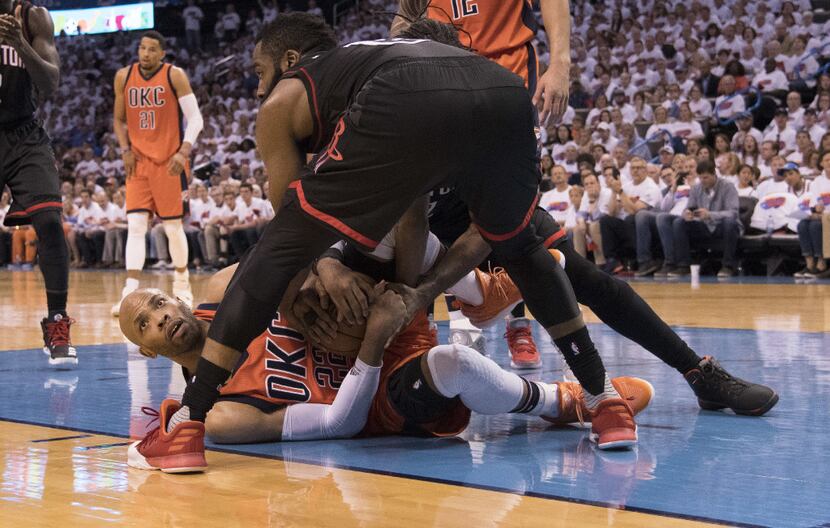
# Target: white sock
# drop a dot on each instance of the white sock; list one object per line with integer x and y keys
{"x": 468, "y": 290}
{"x": 182, "y": 415}
{"x": 136, "y": 246}
{"x": 591, "y": 400}
{"x": 131, "y": 284}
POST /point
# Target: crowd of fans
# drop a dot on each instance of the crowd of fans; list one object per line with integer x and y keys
{"x": 689, "y": 124}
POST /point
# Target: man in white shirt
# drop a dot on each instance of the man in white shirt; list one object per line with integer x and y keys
{"x": 90, "y": 220}
{"x": 619, "y": 100}
{"x": 230, "y": 23}
{"x": 777, "y": 182}
{"x": 115, "y": 232}
{"x": 812, "y": 127}
{"x": 795, "y": 110}
{"x": 728, "y": 104}
{"x": 193, "y": 16}
{"x": 593, "y": 206}
{"x": 744, "y": 123}
{"x": 557, "y": 200}
{"x": 604, "y": 137}
{"x": 772, "y": 79}
{"x": 781, "y": 132}
{"x": 618, "y": 226}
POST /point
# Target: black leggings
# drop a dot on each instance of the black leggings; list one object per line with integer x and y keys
{"x": 619, "y": 306}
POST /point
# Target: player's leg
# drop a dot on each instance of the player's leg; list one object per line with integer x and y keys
{"x": 239, "y": 423}
{"x": 35, "y": 189}
{"x": 140, "y": 206}
{"x": 167, "y": 194}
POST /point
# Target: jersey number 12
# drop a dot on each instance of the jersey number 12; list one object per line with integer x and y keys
{"x": 463, "y": 8}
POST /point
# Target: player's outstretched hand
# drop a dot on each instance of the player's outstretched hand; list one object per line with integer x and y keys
{"x": 387, "y": 316}
{"x": 552, "y": 94}
{"x": 11, "y": 32}
{"x": 350, "y": 292}
{"x": 175, "y": 166}
{"x": 413, "y": 298}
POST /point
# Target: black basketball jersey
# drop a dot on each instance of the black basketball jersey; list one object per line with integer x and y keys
{"x": 17, "y": 97}
{"x": 333, "y": 78}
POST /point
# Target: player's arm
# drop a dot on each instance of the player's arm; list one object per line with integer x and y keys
{"x": 119, "y": 122}
{"x": 283, "y": 120}
{"x": 465, "y": 254}
{"x": 192, "y": 115}
{"x": 408, "y": 12}
{"x": 41, "y": 57}
{"x": 553, "y": 86}
{"x": 411, "y": 234}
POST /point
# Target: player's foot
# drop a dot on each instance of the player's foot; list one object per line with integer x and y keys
{"x": 636, "y": 392}
{"x": 612, "y": 425}
{"x": 523, "y": 352}
{"x": 181, "y": 450}
{"x": 462, "y": 332}
{"x": 181, "y": 287}
{"x": 716, "y": 389}
{"x": 500, "y": 297}
{"x": 56, "y": 342}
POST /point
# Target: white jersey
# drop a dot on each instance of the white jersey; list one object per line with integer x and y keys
{"x": 557, "y": 204}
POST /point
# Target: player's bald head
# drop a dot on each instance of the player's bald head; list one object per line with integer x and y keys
{"x": 158, "y": 323}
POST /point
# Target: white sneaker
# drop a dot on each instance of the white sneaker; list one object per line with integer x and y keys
{"x": 124, "y": 292}
{"x": 462, "y": 332}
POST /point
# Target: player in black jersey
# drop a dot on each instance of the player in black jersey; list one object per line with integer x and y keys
{"x": 390, "y": 121}
{"x": 29, "y": 62}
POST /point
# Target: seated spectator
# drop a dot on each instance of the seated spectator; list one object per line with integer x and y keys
{"x": 711, "y": 213}
{"x": 772, "y": 79}
{"x": 89, "y": 231}
{"x": 810, "y": 231}
{"x": 557, "y": 200}
{"x": 575, "y": 195}
{"x": 24, "y": 248}
{"x": 729, "y": 103}
{"x": 780, "y": 131}
{"x": 5, "y": 232}
{"x": 747, "y": 176}
{"x": 701, "y": 108}
{"x": 115, "y": 230}
{"x": 805, "y": 147}
{"x": 795, "y": 110}
{"x": 673, "y": 202}
{"x": 594, "y": 204}
{"x": 812, "y": 127}
{"x": 744, "y": 122}
{"x": 618, "y": 224}
{"x": 686, "y": 127}
{"x": 769, "y": 150}
{"x": 642, "y": 111}
{"x": 775, "y": 210}
{"x": 777, "y": 182}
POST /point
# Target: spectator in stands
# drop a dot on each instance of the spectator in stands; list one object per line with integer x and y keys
{"x": 618, "y": 224}
{"x": 594, "y": 204}
{"x": 772, "y": 79}
{"x": 708, "y": 82}
{"x": 115, "y": 232}
{"x": 89, "y": 230}
{"x": 686, "y": 127}
{"x": 727, "y": 167}
{"x": 810, "y": 228}
{"x": 777, "y": 182}
{"x": 230, "y": 23}
{"x": 557, "y": 200}
{"x": 673, "y": 202}
{"x": 711, "y": 214}
{"x": 747, "y": 176}
{"x": 193, "y": 16}
{"x": 722, "y": 145}
{"x": 812, "y": 127}
{"x": 744, "y": 123}
{"x": 781, "y": 132}
{"x": 805, "y": 147}
{"x": 729, "y": 103}
{"x": 749, "y": 151}
{"x": 795, "y": 110}
{"x": 775, "y": 210}
{"x": 701, "y": 108}
{"x": 642, "y": 111}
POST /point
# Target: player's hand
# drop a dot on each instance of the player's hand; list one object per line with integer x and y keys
{"x": 552, "y": 93}
{"x": 350, "y": 292}
{"x": 11, "y": 31}
{"x": 128, "y": 157}
{"x": 318, "y": 324}
{"x": 388, "y": 315}
{"x": 175, "y": 166}
{"x": 413, "y": 298}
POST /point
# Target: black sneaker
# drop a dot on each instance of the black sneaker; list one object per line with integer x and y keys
{"x": 663, "y": 272}
{"x": 717, "y": 389}
{"x": 648, "y": 268}
{"x": 56, "y": 342}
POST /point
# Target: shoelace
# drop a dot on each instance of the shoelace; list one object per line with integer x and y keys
{"x": 58, "y": 331}
{"x": 152, "y": 435}
{"x": 497, "y": 272}
{"x": 574, "y": 391}
{"x": 715, "y": 370}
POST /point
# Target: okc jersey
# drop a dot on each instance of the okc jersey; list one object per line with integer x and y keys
{"x": 17, "y": 97}
{"x": 494, "y": 26}
{"x": 154, "y": 118}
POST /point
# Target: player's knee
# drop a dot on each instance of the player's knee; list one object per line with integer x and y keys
{"x": 137, "y": 224}
{"x": 221, "y": 425}
{"x": 447, "y": 362}
{"x": 173, "y": 227}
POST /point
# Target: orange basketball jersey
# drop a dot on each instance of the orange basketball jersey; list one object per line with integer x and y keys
{"x": 154, "y": 120}
{"x": 495, "y": 26}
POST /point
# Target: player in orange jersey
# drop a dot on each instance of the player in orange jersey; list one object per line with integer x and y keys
{"x": 287, "y": 388}
{"x": 150, "y": 98}
{"x": 502, "y": 31}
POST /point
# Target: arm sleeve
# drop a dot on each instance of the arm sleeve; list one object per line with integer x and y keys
{"x": 190, "y": 109}
{"x": 344, "y": 418}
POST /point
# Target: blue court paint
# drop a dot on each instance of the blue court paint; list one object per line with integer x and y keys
{"x": 771, "y": 471}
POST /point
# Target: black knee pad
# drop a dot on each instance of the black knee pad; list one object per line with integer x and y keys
{"x": 51, "y": 240}
{"x": 413, "y": 398}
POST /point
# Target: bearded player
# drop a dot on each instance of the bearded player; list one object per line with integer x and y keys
{"x": 287, "y": 388}
{"x": 29, "y": 62}
{"x": 502, "y": 31}
{"x": 150, "y": 98}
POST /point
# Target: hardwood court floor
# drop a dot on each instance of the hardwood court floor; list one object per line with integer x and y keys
{"x": 63, "y": 435}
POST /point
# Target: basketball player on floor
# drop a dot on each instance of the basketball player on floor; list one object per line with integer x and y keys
{"x": 150, "y": 98}
{"x": 29, "y": 62}
{"x": 390, "y": 121}
{"x": 289, "y": 389}
{"x": 502, "y": 31}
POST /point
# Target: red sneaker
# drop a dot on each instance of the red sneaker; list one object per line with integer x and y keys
{"x": 181, "y": 450}
{"x": 612, "y": 425}
{"x": 500, "y": 297}
{"x": 636, "y": 392}
{"x": 523, "y": 353}
{"x": 57, "y": 344}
